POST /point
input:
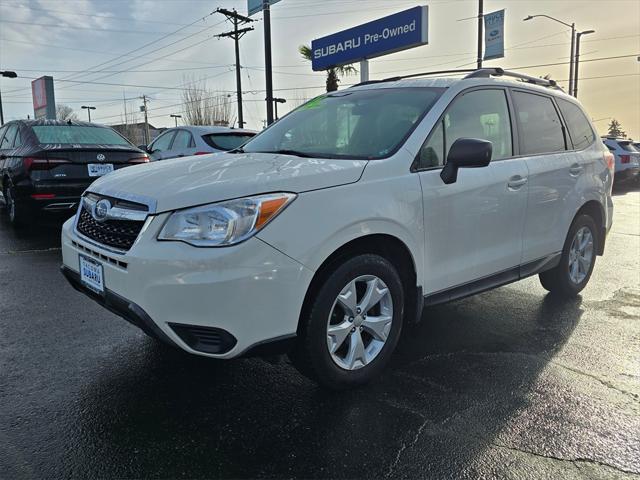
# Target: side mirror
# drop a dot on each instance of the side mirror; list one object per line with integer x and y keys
{"x": 466, "y": 153}
{"x": 144, "y": 148}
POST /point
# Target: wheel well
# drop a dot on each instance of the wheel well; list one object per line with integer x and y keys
{"x": 595, "y": 211}
{"x": 388, "y": 247}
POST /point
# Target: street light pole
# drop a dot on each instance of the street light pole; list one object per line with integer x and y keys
{"x": 7, "y": 74}
{"x": 573, "y": 36}
{"x": 575, "y": 76}
{"x": 480, "y": 20}
{"x": 175, "y": 117}
{"x": 276, "y": 101}
{"x": 88, "y": 109}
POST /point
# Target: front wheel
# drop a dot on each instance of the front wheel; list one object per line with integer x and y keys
{"x": 571, "y": 276}
{"x": 353, "y": 324}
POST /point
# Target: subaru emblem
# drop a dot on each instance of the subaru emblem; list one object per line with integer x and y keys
{"x": 100, "y": 157}
{"x": 101, "y": 210}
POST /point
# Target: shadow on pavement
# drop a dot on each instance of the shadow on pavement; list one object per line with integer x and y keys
{"x": 458, "y": 378}
{"x": 622, "y": 188}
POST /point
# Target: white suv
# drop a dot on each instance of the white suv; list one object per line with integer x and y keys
{"x": 333, "y": 227}
{"x": 627, "y": 157}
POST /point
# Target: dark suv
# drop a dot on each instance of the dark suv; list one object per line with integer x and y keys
{"x": 45, "y": 165}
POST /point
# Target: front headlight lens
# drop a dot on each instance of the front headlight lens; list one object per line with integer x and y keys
{"x": 225, "y": 223}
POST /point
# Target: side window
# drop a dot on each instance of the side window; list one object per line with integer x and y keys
{"x": 480, "y": 114}
{"x": 579, "y": 127}
{"x": 539, "y": 127}
{"x": 18, "y": 140}
{"x": 183, "y": 140}
{"x": 2, "y": 132}
{"x": 7, "y": 139}
{"x": 162, "y": 142}
{"x": 432, "y": 152}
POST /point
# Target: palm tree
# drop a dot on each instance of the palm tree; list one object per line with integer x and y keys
{"x": 332, "y": 73}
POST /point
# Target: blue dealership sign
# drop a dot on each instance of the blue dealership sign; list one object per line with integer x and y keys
{"x": 494, "y": 35}
{"x": 390, "y": 34}
{"x": 255, "y": 6}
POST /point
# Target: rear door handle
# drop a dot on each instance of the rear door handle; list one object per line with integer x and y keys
{"x": 576, "y": 169}
{"x": 517, "y": 182}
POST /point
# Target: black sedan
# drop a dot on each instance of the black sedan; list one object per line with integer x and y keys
{"x": 45, "y": 165}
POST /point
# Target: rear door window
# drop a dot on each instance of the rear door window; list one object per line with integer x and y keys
{"x": 539, "y": 126}
{"x": 162, "y": 143}
{"x": 182, "y": 141}
{"x": 580, "y": 130}
{"x": 7, "y": 140}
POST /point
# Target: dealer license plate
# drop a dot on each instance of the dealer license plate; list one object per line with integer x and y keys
{"x": 99, "y": 169}
{"x": 91, "y": 274}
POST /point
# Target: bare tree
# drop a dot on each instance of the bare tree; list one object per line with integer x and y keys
{"x": 65, "y": 112}
{"x": 205, "y": 107}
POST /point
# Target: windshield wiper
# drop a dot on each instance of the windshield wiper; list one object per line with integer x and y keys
{"x": 295, "y": 153}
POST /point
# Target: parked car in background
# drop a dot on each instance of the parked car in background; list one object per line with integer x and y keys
{"x": 627, "y": 157}
{"x": 45, "y": 165}
{"x": 331, "y": 229}
{"x": 199, "y": 140}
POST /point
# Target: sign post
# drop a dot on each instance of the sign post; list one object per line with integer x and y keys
{"x": 394, "y": 33}
{"x": 494, "y": 35}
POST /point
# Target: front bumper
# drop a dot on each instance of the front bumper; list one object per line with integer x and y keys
{"x": 250, "y": 292}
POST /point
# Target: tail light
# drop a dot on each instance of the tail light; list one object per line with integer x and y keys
{"x": 35, "y": 163}
{"x": 625, "y": 158}
{"x": 202, "y": 153}
{"x": 140, "y": 159}
{"x": 610, "y": 160}
{"x": 43, "y": 196}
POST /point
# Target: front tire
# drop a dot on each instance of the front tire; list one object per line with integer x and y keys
{"x": 352, "y": 324}
{"x": 573, "y": 272}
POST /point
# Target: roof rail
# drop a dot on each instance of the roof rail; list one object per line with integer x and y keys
{"x": 499, "y": 72}
{"x": 473, "y": 73}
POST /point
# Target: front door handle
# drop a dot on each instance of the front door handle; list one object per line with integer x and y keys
{"x": 517, "y": 182}
{"x": 576, "y": 169}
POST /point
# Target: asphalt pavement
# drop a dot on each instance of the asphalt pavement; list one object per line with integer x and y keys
{"x": 508, "y": 384}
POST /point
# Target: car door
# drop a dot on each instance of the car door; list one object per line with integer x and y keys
{"x": 553, "y": 173}
{"x": 160, "y": 147}
{"x": 183, "y": 144}
{"x": 473, "y": 227}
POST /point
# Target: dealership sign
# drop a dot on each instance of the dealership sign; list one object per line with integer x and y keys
{"x": 494, "y": 35}
{"x": 390, "y": 34}
{"x": 44, "y": 103}
{"x": 255, "y": 6}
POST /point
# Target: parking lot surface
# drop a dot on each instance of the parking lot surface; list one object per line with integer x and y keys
{"x": 508, "y": 384}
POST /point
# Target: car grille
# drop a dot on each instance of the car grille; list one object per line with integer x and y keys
{"x": 120, "y": 234}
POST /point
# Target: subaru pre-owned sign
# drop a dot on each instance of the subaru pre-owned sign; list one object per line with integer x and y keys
{"x": 396, "y": 32}
{"x": 494, "y": 35}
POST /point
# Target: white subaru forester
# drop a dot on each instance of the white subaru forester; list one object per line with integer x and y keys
{"x": 325, "y": 233}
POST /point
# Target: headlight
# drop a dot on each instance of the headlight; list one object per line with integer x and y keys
{"x": 225, "y": 223}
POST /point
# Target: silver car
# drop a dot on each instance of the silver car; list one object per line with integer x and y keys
{"x": 199, "y": 140}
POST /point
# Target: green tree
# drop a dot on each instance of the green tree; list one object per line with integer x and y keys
{"x": 333, "y": 74}
{"x": 615, "y": 129}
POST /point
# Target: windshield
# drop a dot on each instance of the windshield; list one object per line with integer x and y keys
{"x": 77, "y": 134}
{"x": 357, "y": 124}
{"x": 226, "y": 141}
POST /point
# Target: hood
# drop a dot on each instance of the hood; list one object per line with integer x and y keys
{"x": 189, "y": 181}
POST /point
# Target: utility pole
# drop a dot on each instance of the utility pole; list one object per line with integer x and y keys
{"x": 236, "y": 34}
{"x": 572, "y": 59}
{"x": 480, "y": 20}
{"x": 267, "y": 59}
{"x": 146, "y": 120}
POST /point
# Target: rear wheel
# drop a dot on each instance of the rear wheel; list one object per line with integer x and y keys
{"x": 15, "y": 209}
{"x": 353, "y": 324}
{"x": 571, "y": 276}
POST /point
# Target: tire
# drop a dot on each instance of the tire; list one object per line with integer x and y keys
{"x": 349, "y": 365}
{"x": 15, "y": 210}
{"x": 559, "y": 280}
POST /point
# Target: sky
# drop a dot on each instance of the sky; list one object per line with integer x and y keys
{"x": 107, "y": 52}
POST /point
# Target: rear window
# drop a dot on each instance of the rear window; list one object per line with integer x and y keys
{"x": 579, "y": 127}
{"x": 628, "y": 146}
{"x": 226, "y": 141}
{"x": 76, "y": 134}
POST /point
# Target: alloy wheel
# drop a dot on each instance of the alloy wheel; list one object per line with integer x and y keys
{"x": 359, "y": 322}
{"x": 581, "y": 255}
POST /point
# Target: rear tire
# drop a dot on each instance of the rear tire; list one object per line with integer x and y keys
{"x": 573, "y": 272}
{"x": 15, "y": 209}
{"x": 352, "y": 325}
